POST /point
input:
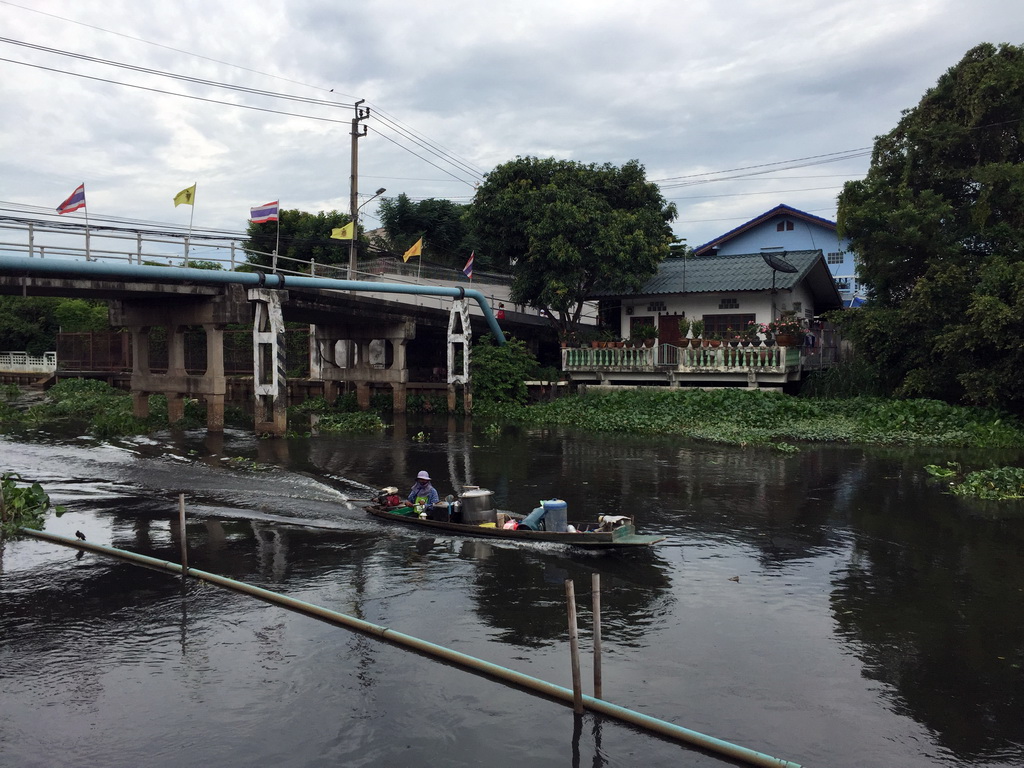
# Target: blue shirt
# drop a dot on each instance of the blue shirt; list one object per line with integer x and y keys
{"x": 424, "y": 489}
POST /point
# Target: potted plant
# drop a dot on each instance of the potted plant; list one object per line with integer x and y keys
{"x": 750, "y": 336}
{"x": 646, "y": 332}
{"x": 610, "y": 338}
{"x": 684, "y": 329}
{"x": 786, "y": 328}
{"x": 696, "y": 330}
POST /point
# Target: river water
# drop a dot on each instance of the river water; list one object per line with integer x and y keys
{"x": 833, "y": 607}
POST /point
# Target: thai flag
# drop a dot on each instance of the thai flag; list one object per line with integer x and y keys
{"x": 264, "y": 213}
{"x": 73, "y": 203}
{"x": 468, "y": 269}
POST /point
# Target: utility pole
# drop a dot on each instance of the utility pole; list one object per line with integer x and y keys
{"x": 361, "y": 114}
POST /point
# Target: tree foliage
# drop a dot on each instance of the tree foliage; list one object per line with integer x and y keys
{"x": 567, "y": 229}
{"x": 441, "y": 223}
{"x": 304, "y": 236}
{"x": 31, "y": 323}
{"x": 938, "y": 227}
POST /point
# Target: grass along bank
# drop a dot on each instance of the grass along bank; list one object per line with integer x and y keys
{"x": 745, "y": 417}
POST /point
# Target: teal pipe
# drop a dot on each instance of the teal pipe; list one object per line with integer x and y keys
{"x": 662, "y": 727}
{"x": 95, "y": 269}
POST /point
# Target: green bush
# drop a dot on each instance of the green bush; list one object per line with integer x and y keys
{"x": 22, "y": 507}
{"x": 499, "y": 373}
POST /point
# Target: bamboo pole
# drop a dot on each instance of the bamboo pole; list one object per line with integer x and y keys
{"x": 181, "y": 526}
{"x": 596, "y": 586}
{"x": 574, "y": 649}
{"x": 527, "y": 682}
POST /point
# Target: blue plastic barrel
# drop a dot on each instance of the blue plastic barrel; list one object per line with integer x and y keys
{"x": 555, "y": 515}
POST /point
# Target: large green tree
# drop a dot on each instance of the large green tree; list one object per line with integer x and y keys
{"x": 441, "y": 223}
{"x": 938, "y": 228}
{"x": 566, "y": 229}
{"x": 303, "y": 236}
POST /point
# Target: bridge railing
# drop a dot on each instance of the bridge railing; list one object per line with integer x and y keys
{"x": 46, "y": 240}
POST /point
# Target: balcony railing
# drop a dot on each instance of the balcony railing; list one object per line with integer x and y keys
{"x": 668, "y": 357}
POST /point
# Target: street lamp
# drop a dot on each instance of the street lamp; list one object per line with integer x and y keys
{"x": 355, "y": 231}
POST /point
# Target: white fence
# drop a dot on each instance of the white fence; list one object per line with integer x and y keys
{"x": 23, "y": 362}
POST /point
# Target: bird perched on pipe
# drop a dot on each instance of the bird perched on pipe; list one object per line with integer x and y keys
{"x": 80, "y": 535}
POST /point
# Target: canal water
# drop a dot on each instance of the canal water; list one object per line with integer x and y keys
{"x": 833, "y": 607}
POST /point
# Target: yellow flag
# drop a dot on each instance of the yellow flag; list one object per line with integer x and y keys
{"x": 416, "y": 250}
{"x": 186, "y": 196}
{"x": 343, "y": 233}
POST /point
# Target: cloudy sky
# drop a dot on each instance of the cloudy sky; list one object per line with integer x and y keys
{"x": 732, "y": 106}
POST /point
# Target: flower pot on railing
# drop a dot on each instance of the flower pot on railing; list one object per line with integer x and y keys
{"x": 785, "y": 340}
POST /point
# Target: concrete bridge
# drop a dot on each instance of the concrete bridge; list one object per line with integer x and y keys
{"x": 361, "y": 332}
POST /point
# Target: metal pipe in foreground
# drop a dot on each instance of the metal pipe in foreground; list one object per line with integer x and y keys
{"x": 677, "y": 732}
{"x": 21, "y": 266}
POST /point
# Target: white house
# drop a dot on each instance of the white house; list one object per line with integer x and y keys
{"x": 728, "y": 291}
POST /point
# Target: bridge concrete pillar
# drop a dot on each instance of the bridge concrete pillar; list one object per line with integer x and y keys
{"x": 270, "y": 384}
{"x": 177, "y": 315}
{"x": 363, "y": 395}
{"x": 460, "y": 339}
{"x": 215, "y": 374}
{"x": 175, "y": 370}
{"x": 398, "y": 396}
{"x": 363, "y": 354}
{"x": 140, "y": 357}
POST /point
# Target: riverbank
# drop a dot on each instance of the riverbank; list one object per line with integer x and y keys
{"x": 725, "y": 416}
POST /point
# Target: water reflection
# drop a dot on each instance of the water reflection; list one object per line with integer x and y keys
{"x": 927, "y": 597}
{"x": 520, "y": 591}
{"x": 855, "y": 553}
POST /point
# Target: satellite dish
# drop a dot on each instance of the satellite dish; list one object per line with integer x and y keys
{"x": 777, "y": 263}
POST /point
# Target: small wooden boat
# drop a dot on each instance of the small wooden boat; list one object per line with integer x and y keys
{"x": 607, "y": 532}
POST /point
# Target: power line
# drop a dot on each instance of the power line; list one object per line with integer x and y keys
{"x": 852, "y": 153}
{"x": 749, "y": 194}
{"x": 172, "y": 93}
{"x": 392, "y": 123}
{"x": 173, "y": 75}
{"x": 167, "y": 47}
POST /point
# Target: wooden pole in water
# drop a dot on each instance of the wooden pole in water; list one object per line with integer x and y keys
{"x": 574, "y": 649}
{"x": 596, "y": 585}
{"x": 181, "y": 525}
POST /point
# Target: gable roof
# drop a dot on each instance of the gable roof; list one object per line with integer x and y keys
{"x": 779, "y": 210}
{"x": 713, "y": 273}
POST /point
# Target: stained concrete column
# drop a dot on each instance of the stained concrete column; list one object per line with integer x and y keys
{"x": 140, "y": 356}
{"x": 215, "y": 379}
{"x": 398, "y": 396}
{"x": 363, "y": 395}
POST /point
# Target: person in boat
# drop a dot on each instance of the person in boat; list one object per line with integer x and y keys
{"x": 423, "y": 488}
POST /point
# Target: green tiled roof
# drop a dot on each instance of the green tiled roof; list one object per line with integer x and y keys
{"x": 738, "y": 272}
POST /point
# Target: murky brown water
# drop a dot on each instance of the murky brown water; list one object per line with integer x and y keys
{"x": 832, "y": 607}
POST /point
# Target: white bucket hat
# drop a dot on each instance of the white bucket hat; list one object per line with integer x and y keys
{"x": 423, "y": 475}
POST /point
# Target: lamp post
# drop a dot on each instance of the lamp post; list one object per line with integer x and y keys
{"x": 355, "y": 233}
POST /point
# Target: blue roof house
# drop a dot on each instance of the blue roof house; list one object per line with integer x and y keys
{"x": 785, "y": 228}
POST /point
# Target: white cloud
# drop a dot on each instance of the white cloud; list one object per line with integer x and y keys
{"x": 685, "y": 88}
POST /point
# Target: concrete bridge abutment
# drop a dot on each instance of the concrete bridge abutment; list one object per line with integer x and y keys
{"x": 212, "y": 314}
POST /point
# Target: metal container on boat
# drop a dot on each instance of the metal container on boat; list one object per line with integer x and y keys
{"x": 438, "y": 511}
{"x": 478, "y": 506}
{"x": 555, "y": 515}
